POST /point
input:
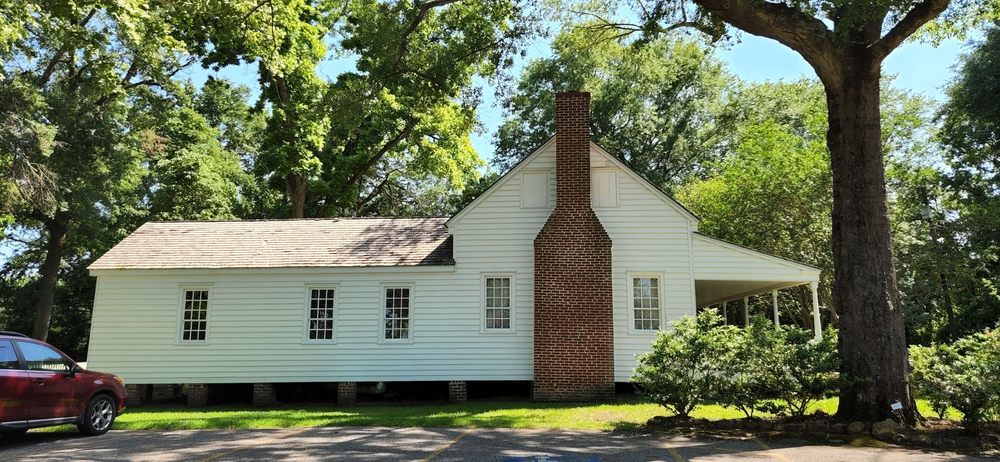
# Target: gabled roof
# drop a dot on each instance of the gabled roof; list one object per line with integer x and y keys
{"x": 680, "y": 208}
{"x": 671, "y": 202}
{"x": 303, "y": 243}
{"x": 758, "y": 254}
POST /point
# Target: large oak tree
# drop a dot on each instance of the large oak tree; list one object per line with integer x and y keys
{"x": 845, "y": 42}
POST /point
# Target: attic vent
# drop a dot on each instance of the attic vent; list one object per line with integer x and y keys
{"x": 604, "y": 189}
{"x": 535, "y": 190}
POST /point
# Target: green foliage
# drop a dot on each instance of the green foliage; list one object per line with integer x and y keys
{"x": 405, "y": 112}
{"x": 682, "y": 370}
{"x": 807, "y": 369}
{"x": 749, "y": 367}
{"x": 25, "y": 143}
{"x": 653, "y": 106}
{"x": 760, "y": 368}
{"x": 945, "y": 207}
{"x": 773, "y": 190}
{"x": 962, "y": 375}
{"x": 382, "y": 133}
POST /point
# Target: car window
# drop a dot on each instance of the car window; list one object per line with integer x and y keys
{"x": 8, "y": 358}
{"x": 42, "y": 358}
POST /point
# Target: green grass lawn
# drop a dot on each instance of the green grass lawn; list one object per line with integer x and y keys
{"x": 627, "y": 414}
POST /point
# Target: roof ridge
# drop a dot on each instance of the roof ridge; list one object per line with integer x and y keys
{"x": 260, "y": 220}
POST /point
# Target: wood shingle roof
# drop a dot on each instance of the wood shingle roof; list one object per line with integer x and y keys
{"x": 303, "y": 243}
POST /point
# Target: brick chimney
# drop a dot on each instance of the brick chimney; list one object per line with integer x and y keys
{"x": 574, "y": 332}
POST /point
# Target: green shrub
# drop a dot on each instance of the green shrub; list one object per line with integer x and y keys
{"x": 748, "y": 380}
{"x": 807, "y": 369}
{"x": 964, "y": 375}
{"x": 682, "y": 369}
{"x": 757, "y": 369}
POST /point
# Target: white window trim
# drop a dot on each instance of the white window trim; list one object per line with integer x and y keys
{"x": 482, "y": 303}
{"x": 630, "y": 305}
{"x": 307, "y": 303}
{"x": 183, "y": 289}
{"x": 381, "y": 312}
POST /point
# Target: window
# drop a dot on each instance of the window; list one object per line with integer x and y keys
{"x": 194, "y": 326}
{"x": 497, "y": 306}
{"x": 397, "y": 313}
{"x": 8, "y": 358}
{"x": 321, "y": 313}
{"x": 646, "y": 302}
{"x": 42, "y": 358}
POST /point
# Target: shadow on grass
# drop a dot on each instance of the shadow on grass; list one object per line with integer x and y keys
{"x": 623, "y": 415}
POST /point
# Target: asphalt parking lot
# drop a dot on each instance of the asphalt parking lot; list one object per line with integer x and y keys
{"x": 437, "y": 444}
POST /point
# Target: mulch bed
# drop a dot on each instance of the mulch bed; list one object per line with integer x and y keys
{"x": 934, "y": 434}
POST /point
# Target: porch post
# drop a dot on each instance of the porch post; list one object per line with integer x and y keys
{"x": 817, "y": 328}
{"x": 725, "y": 314}
{"x": 774, "y": 307}
{"x": 746, "y": 311}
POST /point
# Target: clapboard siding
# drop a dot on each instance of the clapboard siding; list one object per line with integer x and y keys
{"x": 649, "y": 236}
{"x": 715, "y": 260}
{"x": 257, "y": 317}
{"x": 257, "y": 327}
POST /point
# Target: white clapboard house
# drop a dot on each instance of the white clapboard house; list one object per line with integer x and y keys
{"x": 559, "y": 274}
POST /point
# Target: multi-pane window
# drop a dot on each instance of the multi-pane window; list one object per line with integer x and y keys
{"x": 496, "y": 299}
{"x": 646, "y": 302}
{"x": 195, "y": 323}
{"x": 397, "y": 313}
{"x": 321, "y": 314}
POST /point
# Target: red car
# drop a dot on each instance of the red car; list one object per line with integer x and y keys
{"x": 40, "y": 386}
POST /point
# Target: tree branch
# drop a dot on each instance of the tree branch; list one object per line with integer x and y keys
{"x": 918, "y": 16}
{"x": 377, "y": 189}
{"x": 803, "y": 33}
{"x": 422, "y": 10}
{"x": 50, "y": 68}
{"x": 405, "y": 132}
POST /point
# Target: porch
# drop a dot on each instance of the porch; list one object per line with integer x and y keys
{"x": 726, "y": 274}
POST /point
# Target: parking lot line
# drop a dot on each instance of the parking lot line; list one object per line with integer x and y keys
{"x": 448, "y": 445}
{"x": 769, "y": 451}
{"x": 672, "y": 450}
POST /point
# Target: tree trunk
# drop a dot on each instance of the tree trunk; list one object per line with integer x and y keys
{"x": 295, "y": 187}
{"x": 949, "y": 307}
{"x": 872, "y": 337}
{"x": 56, "y": 228}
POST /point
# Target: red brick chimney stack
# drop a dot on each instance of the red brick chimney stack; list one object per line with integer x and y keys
{"x": 574, "y": 331}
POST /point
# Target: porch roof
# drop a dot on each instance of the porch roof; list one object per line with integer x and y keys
{"x": 725, "y": 271}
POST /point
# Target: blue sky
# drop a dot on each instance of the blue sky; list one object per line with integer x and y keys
{"x": 917, "y": 66}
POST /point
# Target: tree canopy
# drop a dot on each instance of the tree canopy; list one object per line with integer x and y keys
{"x": 654, "y": 107}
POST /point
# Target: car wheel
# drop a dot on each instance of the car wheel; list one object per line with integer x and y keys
{"x": 99, "y": 416}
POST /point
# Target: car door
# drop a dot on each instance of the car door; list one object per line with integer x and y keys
{"x": 15, "y": 387}
{"x": 54, "y": 389}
